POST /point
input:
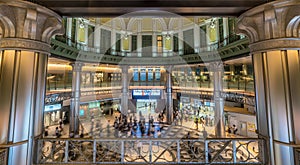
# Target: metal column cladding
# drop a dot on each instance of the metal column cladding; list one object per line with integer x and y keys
{"x": 275, "y": 52}
{"x": 25, "y": 46}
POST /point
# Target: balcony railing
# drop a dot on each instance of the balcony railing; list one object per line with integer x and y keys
{"x": 149, "y": 151}
{"x": 298, "y": 156}
{"x": 3, "y": 155}
{"x": 103, "y": 93}
{"x": 86, "y": 47}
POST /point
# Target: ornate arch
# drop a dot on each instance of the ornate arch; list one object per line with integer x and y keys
{"x": 7, "y": 22}
{"x": 51, "y": 27}
{"x": 122, "y": 22}
{"x": 131, "y": 23}
{"x": 248, "y": 27}
{"x": 292, "y": 29}
{"x": 163, "y": 24}
{"x": 171, "y": 23}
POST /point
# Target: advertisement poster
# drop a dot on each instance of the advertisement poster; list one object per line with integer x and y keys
{"x": 157, "y": 74}
{"x": 135, "y": 75}
{"x": 143, "y": 74}
{"x": 150, "y": 74}
{"x": 251, "y": 127}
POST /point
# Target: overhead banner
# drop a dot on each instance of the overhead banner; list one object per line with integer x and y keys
{"x": 145, "y": 93}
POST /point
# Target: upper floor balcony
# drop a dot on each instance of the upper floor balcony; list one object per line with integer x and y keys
{"x": 231, "y": 47}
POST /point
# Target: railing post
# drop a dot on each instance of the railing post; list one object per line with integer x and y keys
{"x": 94, "y": 151}
{"x": 234, "y": 151}
{"x": 206, "y": 151}
{"x": 66, "y": 151}
{"x": 39, "y": 150}
{"x": 262, "y": 150}
{"x": 122, "y": 151}
{"x": 150, "y": 151}
{"x": 178, "y": 151}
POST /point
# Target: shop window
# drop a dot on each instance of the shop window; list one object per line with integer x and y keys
{"x": 159, "y": 44}
{"x": 175, "y": 43}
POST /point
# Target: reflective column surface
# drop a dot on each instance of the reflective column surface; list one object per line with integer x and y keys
{"x": 169, "y": 106}
{"x": 217, "y": 69}
{"x": 75, "y": 100}
{"x": 124, "y": 99}
{"x": 275, "y": 52}
{"x": 24, "y": 50}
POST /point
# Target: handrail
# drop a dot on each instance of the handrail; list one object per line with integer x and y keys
{"x": 151, "y": 151}
{"x": 147, "y": 139}
{"x": 212, "y": 47}
{"x": 11, "y": 144}
{"x": 287, "y": 144}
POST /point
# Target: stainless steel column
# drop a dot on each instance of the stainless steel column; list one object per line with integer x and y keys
{"x": 124, "y": 97}
{"x": 139, "y": 37}
{"x": 27, "y": 29}
{"x": 169, "y": 106}
{"x": 217, "y": 69}
{"x": 75, "y": 100}
{"x": 273, "y": 31}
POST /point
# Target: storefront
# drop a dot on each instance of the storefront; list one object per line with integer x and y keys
{"x": 146, "y": 101}
{"x": 246, "y": 124}
{"x": 52, "y": 114}
{"x": 193, "y": 106}
{"x": 98, "y": 108}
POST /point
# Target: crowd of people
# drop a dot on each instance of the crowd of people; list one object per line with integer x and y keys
{"x": 131, "y": 126}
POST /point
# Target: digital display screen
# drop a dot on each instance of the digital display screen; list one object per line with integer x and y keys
{"x": 81, "y": 112}
{"x": 52, "y": 107}
{"x": 150, "y": 74}
{"x": 207, "y": 103}
{"x": 157, "y": 74}
{"x": 198, "y": 72}
{"x": 135, "y": 75}
{"x": 146, "y": 92}
{"x": 94, "y": 104}
{"x": 143, "y": 74}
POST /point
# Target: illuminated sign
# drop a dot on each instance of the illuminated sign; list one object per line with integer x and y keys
{"x": 135, "y": 75}
{"x": 52, "y": 107}
{"x": 143, "y": 74}
{"x": 94, "y": 104}
{"x": 157, "y": 74}
{"x": 81, "y": 112}
{"x": 146, "y": 92}
{"x": 207, "y": 103}
{"x": 150, "y": 74}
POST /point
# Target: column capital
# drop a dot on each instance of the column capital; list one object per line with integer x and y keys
{"x": 124, "y": 69}
{"x": 22, "y": 19}
{"x": 216, "y": 66}
{"x": 169, "y": 68}
{"x": 77, "y": 66}
{"x": 272, "y": 26}
{"x": 27, "y": 21}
